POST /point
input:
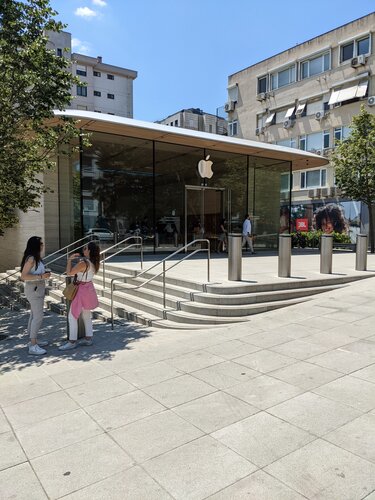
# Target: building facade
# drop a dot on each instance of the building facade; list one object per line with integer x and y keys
{"x": 196, "y": 119}
{"x": 305, "y": 98}
{"x": 107, "y": 89}
{"x": 140, "y": 178}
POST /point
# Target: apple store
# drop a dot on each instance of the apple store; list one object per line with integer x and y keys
{"x": 171, "y": 185}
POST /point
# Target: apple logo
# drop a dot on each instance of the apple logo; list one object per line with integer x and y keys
{"x": 205, "y": 168}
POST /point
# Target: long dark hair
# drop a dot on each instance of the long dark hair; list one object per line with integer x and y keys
{"x": 94, "y": 250}
{"x": 32, "y": 250}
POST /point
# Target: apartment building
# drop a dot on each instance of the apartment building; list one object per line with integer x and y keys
{"x": 197, "y": 119}
{"x": 107, "y": 89}
{"x": 305, "y": 97}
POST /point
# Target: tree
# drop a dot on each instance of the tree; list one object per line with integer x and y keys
{"x": 34, "y": 81}
{"x": 354, "y": 162}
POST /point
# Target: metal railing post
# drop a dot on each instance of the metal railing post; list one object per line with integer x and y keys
{"x": 104, "y": 273}
{"x": 326, "y": 246}
{"x": 208, "y": 260}
{"x": 285, "y": 252}
{"x": 141, "y": 254}
{"x": 361, "y": 253}
{"x": 164, "y": 284}
{"x": 112, "y": 289}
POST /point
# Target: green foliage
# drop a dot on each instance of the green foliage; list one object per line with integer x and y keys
{"x": 34, "y": 82}
{"x": 354, "y": 162}
{"x": 311, "y": 239}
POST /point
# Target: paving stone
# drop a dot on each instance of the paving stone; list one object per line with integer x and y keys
{"x": 150, "y": 374}
{"x": 179, "y": 390}
{"x": 99, "y": 390}
{"x": 132, "y": 484}
{"x": 262, "y": 438}
{"x": 39, "y": 409}
{"x": 295, "y": 331}
{"x": 341, "y": 360}
{"x": 155, "y": 435}
{"x": 305, "y": 375}
{"x": 346, "y": 316}
{"x": 363, "y": 346}
{"x": 330, "y": 339}
{"x": 257, "y": 486}
{"x": 264, "y": 392}
{"x": 367, "y": 373}
{"x": 299, "y": 349}
{"x": 198, "y": 469}
{"x": 79, "y": 465}
{"x": 355, "y": 330}
{"x": 11, "y": 452}
{"x": 323, "y": 471}
{"x": 16, "y": 392}
{"x": 20, "y": 483}
{"x": 4, "y": 425}
{"x": 195, "y": 361}
{"x": 122, "y": 410}
{"x": 78, "y": 376}
{"x": 266, "y": 339}
{"x": 314, "y": 413}
{"x": 43, "y": 437}
{"x": 226, "y": 374}
{"x": 357, "y": 436}
{"x": 325, "y": 323}
{"x": 215, "y": 411}
{"x": 352, "y": 391}
{"x": 232, "y": 349}
{"x": 265, "y": 361}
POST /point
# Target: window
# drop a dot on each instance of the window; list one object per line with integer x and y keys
{"x": 284, "y": 77}
{"x": 355, "y": 48}
{"x": 301, "y": 110}
{"x": 348, "y": 94}
{"x": 97, "y": 93}
{"x": 288, "y": 143}
{"x": 176, "y": 123}
{"x": 81, "y": 91}
{"x": 285, "y": 182}
{"x": 233, "y": 128}
{"x": 262, "y": 84}
{"x": 326, "y": 139}
{"x": 171, "y": 124}
{"x": 81, "y": 70}
{"x": 315, "y": 65}
{"x": 341, "y": 133}
{"x": 270, "y": 119}
{"x": 314, "y": 107}
{"x": 110, "y": 96}
{"x": 313, "y": 178}
{"x": 314, "y": 142}
{"x": 302, "y": 142}
{"x": 110, "y": 77}
{"x": 59, "y": 52}
{"x": 97, "y": 73}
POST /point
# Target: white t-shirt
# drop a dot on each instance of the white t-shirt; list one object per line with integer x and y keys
{"x": 246, "y": 227}
{"x": 89, "y": 275}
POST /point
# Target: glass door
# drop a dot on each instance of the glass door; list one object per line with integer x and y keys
{"x": 205, "y": 207}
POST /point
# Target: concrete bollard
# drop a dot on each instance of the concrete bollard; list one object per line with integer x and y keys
{"x": 234, "y": 257}
{"x": 361, "y": 253}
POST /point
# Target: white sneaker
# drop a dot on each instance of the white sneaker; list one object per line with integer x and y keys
{"x": 41, "y": 343}
{"x": 85, "y": 341}
{"x": 67, "y": 346}
{"x": 36, "y": 350}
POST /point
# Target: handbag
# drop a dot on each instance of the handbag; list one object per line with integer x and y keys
{"x": 70, "y": 291}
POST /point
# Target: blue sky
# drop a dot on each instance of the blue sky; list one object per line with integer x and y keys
{"x": 184, "y": 50}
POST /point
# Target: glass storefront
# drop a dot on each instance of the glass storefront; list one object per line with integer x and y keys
{"x": 124, "y": 186}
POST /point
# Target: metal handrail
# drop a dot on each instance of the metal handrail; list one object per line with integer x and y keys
{"x": 163, "y": 272}
{"x": 139, "y": 244}
{"x": 89, "y": 236}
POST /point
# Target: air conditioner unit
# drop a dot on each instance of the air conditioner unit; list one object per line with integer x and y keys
{"x": 371, "y": 100}
{"x": 259, "y": 130}
{"x": 332, "y": 191}
{"x": 316, "y": 151}
{"x": 358, "y": 61}
{"x": 229, "y": 106}
{"x": 317, "y": 192}
{"x": 262, "y": 96}
{"x": 325, "y": 192}
{"x": 326, "y": 151}
{"x": 288, "y": 123}
{"x": 320, "y": 115}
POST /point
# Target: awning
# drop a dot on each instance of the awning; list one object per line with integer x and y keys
{"x": 270, "y": 119}
{"x": 290, "y": 112}
{"x": 300, "y": 108}
{"x": 348, "y": 93}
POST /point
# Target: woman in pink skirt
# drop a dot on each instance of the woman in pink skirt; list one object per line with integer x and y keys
{"x": 86, "y": 299}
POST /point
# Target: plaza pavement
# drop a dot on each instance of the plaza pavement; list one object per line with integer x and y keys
{"x": 281, "y": 407}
